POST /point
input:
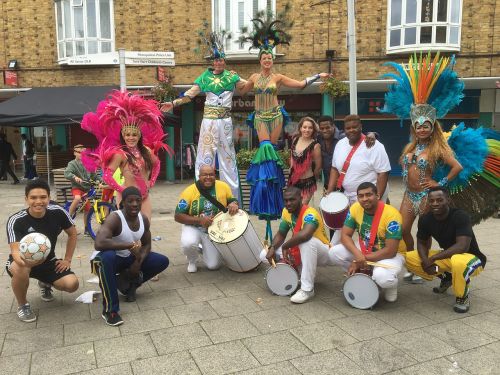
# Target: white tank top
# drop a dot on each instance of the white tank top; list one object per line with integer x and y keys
{"x": 126, "y": 235}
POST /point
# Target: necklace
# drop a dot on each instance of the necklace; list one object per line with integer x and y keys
{"x": 419, "y": 148}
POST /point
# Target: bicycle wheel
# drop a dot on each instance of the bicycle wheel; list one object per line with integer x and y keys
{"x": 95, "y": 219}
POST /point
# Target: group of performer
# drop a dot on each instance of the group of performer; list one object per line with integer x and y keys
{"x": 436, "y": 172}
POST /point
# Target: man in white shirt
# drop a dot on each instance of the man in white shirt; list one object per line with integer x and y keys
{"x": 366, "y": 165}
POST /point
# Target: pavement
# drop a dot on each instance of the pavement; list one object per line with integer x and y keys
{"x": 221, "y": 322}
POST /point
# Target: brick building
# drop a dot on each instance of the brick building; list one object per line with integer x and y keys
{"x": 42, "y": 38}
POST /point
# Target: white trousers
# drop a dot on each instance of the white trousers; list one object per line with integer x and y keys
{"x": 383, "y": 277}
{"x": 191, "y": 238}
{"x": 216, "y": 136}
{"x": 313, "y": 253}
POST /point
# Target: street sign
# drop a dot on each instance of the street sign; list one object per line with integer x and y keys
{"x": 148, "y": 58}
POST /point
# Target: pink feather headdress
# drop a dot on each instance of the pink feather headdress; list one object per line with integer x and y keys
{"x": 121, "y": 109}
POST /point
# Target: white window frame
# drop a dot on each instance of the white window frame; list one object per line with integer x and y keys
{"x": 418, "y": 46}
{"x": 62, "y": 57}
{"x": 221, "y": 21}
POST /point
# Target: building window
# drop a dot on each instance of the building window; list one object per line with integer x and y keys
{"x": 84, "y": 27}
{"x": 232, "y": 15}
{"x": 423, "y": 25}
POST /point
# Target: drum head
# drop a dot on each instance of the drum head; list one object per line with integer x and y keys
{"x": 360, "y": 291}
{"x": 334, "y": 202}
{"x": 226, "y": 228}
{"x": 282, "y": 280}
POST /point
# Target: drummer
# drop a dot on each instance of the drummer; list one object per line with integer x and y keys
{"x": 384, "y": 249}
{"x": 196, "y": 213}
{"x": 308, "y": 234}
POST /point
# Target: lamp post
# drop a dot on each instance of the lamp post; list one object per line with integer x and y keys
{"x": 351, "y": 46}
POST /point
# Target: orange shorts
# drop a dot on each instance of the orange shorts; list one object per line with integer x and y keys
{"x": 81, "y": 193}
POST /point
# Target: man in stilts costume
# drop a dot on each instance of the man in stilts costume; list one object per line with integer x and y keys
{"x": 216, "y": 132}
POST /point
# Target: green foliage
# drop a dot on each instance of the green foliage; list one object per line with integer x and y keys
{"x": 335, "y": 88}
{"x": 245, "y": 156}
{"x": 164, "y": 91}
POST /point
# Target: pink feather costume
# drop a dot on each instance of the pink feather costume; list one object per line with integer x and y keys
{"x": 117, "y": 110}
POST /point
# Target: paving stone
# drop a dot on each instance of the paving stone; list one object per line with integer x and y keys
{"x": 15, "y": 364}
{"x": 362, "y": 328}
{"x": 459, "y": 335}
{"x": 410, "y": 342}
{"x": 7, "y": 299}
{"x": 169, "y": 281}
{"x": 478, "y": 305}
{"x": 144, "y": 321}
{"x": 153, "y": 301}
{"x": 487, "y": 322}
{"x": 438, "y": 311}
{"x": 76, "y": 312}
{"x": 275, "y": 347}
{"x": 179, "y": 338}
{"x": 327, "y": 363}
{"x": 194, "y": 312}
{"x": 435, "y": 367}
{"x": 482, "y": 361}
{"x": 224, "y": 358}
{"x": 229, "y": 329}
{"x": 121, "y": 369}
{"x": 494, "y": 346}
{"x": 401, "y": 317}
{"x": 92, "y": 330}
{"x": 282, "y": 368}
{"x": 66, "y": 360}
{"x": 322, "y": 336}
{"x": 176, "y": 363}
{"x": 11, "y": 323}
{"x": 377, "y": 356}
{"x": 236, "y": 287}
{"x": 237, "y": 305}
{"x": 199, "y": 293}
{"x": 274, "y": 320}
{"x": 490, "y": 294}
{"x": 266, "y": 300}
{"x": 203, "y": 276}
{"x": 123, "y": 349}
{"x": 33, "y": 340}
{"x": 315, "y": 311}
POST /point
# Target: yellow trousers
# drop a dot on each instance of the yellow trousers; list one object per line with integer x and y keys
{"x": 461, "y": 266}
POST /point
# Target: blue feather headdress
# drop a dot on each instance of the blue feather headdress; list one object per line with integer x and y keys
{"x": 425, "y": 89}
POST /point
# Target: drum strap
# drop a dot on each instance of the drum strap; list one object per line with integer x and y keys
{"x": 347, "y": 162}
{"x": 295, "y": 251}
{"x": 373, "y": 230}
{"x": 209, "y": 197}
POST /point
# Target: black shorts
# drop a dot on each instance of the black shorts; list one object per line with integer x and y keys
{"x": 45, "y": 272}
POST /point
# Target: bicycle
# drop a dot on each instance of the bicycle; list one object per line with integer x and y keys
{"x": 99, "y": 209}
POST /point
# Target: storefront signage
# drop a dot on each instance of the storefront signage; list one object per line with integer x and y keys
{"x": 151, "y": 58}
{"x": 10, "y": 78}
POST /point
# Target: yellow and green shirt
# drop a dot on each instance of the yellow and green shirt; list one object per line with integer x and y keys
{"x": 311, "y": 216}
{"x": 390, "y": 226}
{"x": 191, "y": 202}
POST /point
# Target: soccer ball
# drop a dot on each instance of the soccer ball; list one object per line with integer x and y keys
{"x": 34, "y": 247}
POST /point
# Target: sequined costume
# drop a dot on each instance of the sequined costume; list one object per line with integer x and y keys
{"x": 119, "y": 111}
{"x": 301, "y": 163}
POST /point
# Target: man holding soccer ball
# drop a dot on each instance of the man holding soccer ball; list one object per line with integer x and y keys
{"x": 50, "y": 220}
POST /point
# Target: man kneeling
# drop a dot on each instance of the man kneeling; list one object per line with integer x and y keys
{"x": 379, "y": 228}
{"x": 308, "y": 235}
{"x": 460, "y": 258}
{"x": 123, "y": 247}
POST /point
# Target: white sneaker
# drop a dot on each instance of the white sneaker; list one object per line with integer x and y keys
{"x": 391, "y": 294}
{"x": 302, "y": 296}
{"x": 192, "y": 267}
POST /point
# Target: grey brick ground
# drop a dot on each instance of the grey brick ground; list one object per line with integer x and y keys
{"x": 217, "y": 322}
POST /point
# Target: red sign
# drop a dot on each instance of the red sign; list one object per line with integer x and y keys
{"x": 10, "y": 78}
{"x": 160, "y": 73}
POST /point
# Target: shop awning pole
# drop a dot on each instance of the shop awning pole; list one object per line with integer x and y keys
{"x": 47, "y": 151}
